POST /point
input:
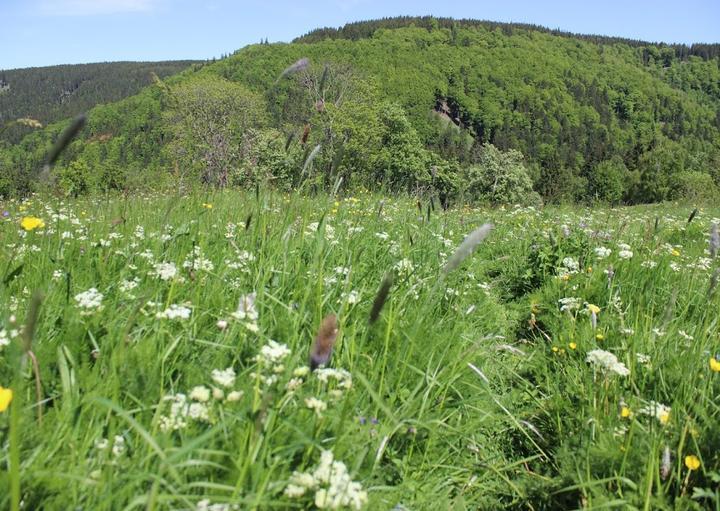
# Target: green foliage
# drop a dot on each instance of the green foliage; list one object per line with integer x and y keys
{"x": 210, "y": 121}
{"x": 693, "y": 186}
{"x": 50, "y": 94}
{"x": 75, "y": 179}
{"x": 610, "y": 181}
{"x": 498, "y": 177}
{"x": 390, "y": 100}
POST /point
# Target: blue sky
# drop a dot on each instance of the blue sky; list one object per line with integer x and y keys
{"x": 47, "y": 32}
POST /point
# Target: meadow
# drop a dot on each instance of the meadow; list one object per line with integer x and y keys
{"x": 154, "y": 354}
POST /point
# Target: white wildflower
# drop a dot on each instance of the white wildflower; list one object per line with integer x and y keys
{"x": 608, "y": 362}
{"x": 225, "y": 377}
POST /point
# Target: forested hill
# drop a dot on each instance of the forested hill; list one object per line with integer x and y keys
{"x": 52, "y": 93}
{"x": 472, "y": 110}
{"x": 366, "y": 29}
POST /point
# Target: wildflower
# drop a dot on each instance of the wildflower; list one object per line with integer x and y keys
{"x": 692, "y": 462}
{"x": 207, "y": 205}
{"x": 246, "y": 308}
{"x": 174, "y": 312}
{"x": 118, "y": 448}
{"x": 316, "y": 405}
{"x": 30, "y": 223}
{"x": 625, "y": 412}
{"x": 625, "y": 254}
{"x": 658, "y": 410}
{"x": 164, "y": 271}
{"x": 5, "y": 337}
{"x": 599, "y": 337}
{"x": 90, "y": 299}
{"x": 608, "y": 362}
{"x": 224, "y": 378}
{"x": 6, "y": 396}
{"x": 234, "y": 396}
{"x": 332, "y": 485}
{"x": 602, "y": 252}
{"x": 714, "y": 365}
{"x": 572, "y": 345}
{"x": 593, "y": 308}
{"x": 569, "y": 304}
{"x": 200, "y": 393}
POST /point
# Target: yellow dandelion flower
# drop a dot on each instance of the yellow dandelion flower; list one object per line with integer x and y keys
{"x": 625, "y": 412}
{"x": 600, "y": 337}
{"x": 6, "y": 396}
{"x": 664, "y": 417}
{"x": 593, "y": 308}
{"x": 675, "y": 252}
{"x": 30, "y": 223}
{"x": 555, "y": 349}
{"x": 714, "y": 365}
{"x": 692, "y": 462}
{"x": 572, "y": 345}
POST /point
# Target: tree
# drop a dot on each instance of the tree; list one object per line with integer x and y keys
{"x": 499, "y": 177}
{"x": 208, "y": 121}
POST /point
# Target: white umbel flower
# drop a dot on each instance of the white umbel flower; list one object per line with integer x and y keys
{"x": 608, "y": 362}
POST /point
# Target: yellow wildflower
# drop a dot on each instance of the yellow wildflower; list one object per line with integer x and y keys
{"x": 6, "y": 396}
{"x": 30, "y": 223}
{"x": 675, "y": 252}
{"x": 572, "y": 345}
{"x": 664, "y": 417}
{"x": 207, "y": 205}
{"x": 600, "y": 337}
{"x": 625, "y": 412}
{"x": 593, "y": 308}
{"x": 714, "y": 365}
{"x": 692, "y": 462}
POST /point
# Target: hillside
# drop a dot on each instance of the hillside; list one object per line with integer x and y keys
{"x": 409, "y": 104}
{"x": 50, "y": 94}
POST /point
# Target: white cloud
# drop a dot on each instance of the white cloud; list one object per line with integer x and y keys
{"x": 94, "y": 7}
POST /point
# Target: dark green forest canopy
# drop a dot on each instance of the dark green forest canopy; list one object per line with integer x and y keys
{"x": 52, "y": 93}
{"x": 415, "y": 104}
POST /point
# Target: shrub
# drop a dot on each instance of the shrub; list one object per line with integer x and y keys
{"x": 498, "y": 177}
{"x": 692, "y": 186}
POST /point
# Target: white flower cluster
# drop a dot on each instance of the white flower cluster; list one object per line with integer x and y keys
{"x": 602, "y": 252}
{"x": 569, "y": 266}
{"x": 118, "y": 448}
{"x": 625, "y": 252}
{"x": 247, "y": 312}
{"x": 331, "y": 482}
{"x": 569, "y": 303}
{"x": 89, "y": 300}
{"x": 608, "y": 362}
{"x": 164, "y": 271}
{"x": 404, "y": 267}
{"x": 199, "y": 404}
{"x": 658, "y": 410}
{"x": 6, "y": 337}
{"x": 174, "y": 312}
{"x": 195, "y": 261}
{"x": 206, "y": 505}
{"x": 270, "y": 362}
{"x": 242, "y": 263}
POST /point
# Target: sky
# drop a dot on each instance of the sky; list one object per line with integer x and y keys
{"x": 49, "y": 32}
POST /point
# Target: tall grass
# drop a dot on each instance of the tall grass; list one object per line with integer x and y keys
{"x": 469, "y": 388}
